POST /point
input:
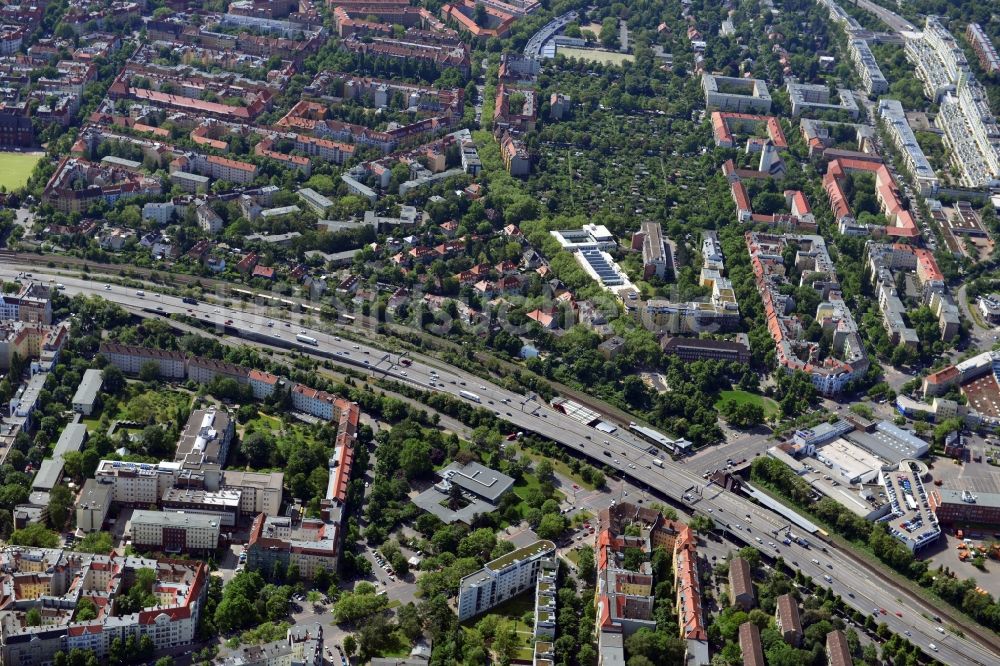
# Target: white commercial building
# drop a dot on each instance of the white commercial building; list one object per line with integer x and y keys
{"x": 588, "y": 237}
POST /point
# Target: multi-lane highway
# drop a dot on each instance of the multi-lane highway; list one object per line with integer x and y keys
{"x": 621, "y": 450}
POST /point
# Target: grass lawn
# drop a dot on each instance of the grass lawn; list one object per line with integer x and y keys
{"x": 523, "y": 487}
{"x": 15, "y": 168}
{"x": 396, "y": 645}
{"x": 770, "y": 406}
{"x": 596, "y": 55}
{"x": 559, "y": 466}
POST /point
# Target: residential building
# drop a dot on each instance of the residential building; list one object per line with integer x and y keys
{"x": 315, "y": 201}
{"x": 894, "y": 119}
{"x": 203, "y": 370}
{"x": 989, "y": 307}
{"x": 983, "y": 46}
{"x": 516, "y": 158}
{"x": 262, "y": 384}
{"x": 502, "y": 579}
{"x": 971, "y": 132}
{"x": 209, "y": 221}
{"x": 831, "y": 374}
{"x": 750, "y": 646}
{"x": 741, "y": 584}
{"x": 206, "y": 437}
{"x": 302, "y": 646}
{"x": 808, "y": 97}
{"x": 92, "y": 505}
{"x": 838, "y": 650}
{"x": 787, "y": 618}
{"x": 688, "y": 585}
{"x": 315, "y": 403}
{"x": 66, "y": 578}
{"x": 311, "y": 544}
{"x": 174, "y": 532}
{"x": 695, "y": 349}
{"x": 725, "y": 93}
{"x": 38, "y": 342}
{"x": 130, "y": 359}
{"x": 71, "y": 440}
{"x": 872, "y": 78}
{"x": 86, "y": 393}
{"x": 30, "y": 304}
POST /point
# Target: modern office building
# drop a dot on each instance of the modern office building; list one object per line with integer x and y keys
{"x": 502, "y": 579}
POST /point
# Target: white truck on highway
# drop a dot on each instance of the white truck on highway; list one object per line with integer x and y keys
{"x": 469, "y": 395}
{"x": 657, "y": 462}
{"x": 309, "y": 340}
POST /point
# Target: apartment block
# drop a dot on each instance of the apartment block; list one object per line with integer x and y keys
{"x": 657, "y": 258}
{"x": 63, "y": 578}
{"x": 750, "y": 645}
{"x": 985, "y": 51}
{"x": 130, "y": 359}
{"x": 687, "y": 582}
{"x": 137, "y": 484}
{"x": 175, "y": 532}
{"x": 315, "y": 403}
{"x": 894, "y": 119}
{"x": 741, "y": 591}
{"x": 866, "y": 66}
{"x": 221, "y": 505}
{"x": 502, "y": 579}
{"x": 725, "y": 93}
{"x": 30, "y": 304}
{"x": 696, "y": 349}
{"x": 787, "y": 618}
{"x": 807, "y": 98}
{"x": 831, "y": 374}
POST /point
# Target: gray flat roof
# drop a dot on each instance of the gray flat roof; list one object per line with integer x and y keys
{"x": 72, "y": 438}
{"x": 86, "y": 392}
{"x": 49, "y": 473}
{"x": 478, "y": 479}
{"x": 174, "y": 519}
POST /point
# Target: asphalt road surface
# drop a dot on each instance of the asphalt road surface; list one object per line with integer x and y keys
{"x": 622, "y": 450}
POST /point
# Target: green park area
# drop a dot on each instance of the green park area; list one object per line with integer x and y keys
{"x": 769, "y": 406}
{"x": 16, "y": 168}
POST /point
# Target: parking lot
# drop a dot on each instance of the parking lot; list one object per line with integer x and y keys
{"x": 975, "y": 476}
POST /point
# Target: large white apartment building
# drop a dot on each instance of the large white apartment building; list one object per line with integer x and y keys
{"x": 30, "y": 304}
{"x": 501, "y": 579}
{"x": 970, "y": 129}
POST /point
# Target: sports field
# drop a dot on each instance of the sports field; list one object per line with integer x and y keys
{"x": 769, "y": 406}
{"x": 595, "y": 55}
{"x": 15, "y": 168}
